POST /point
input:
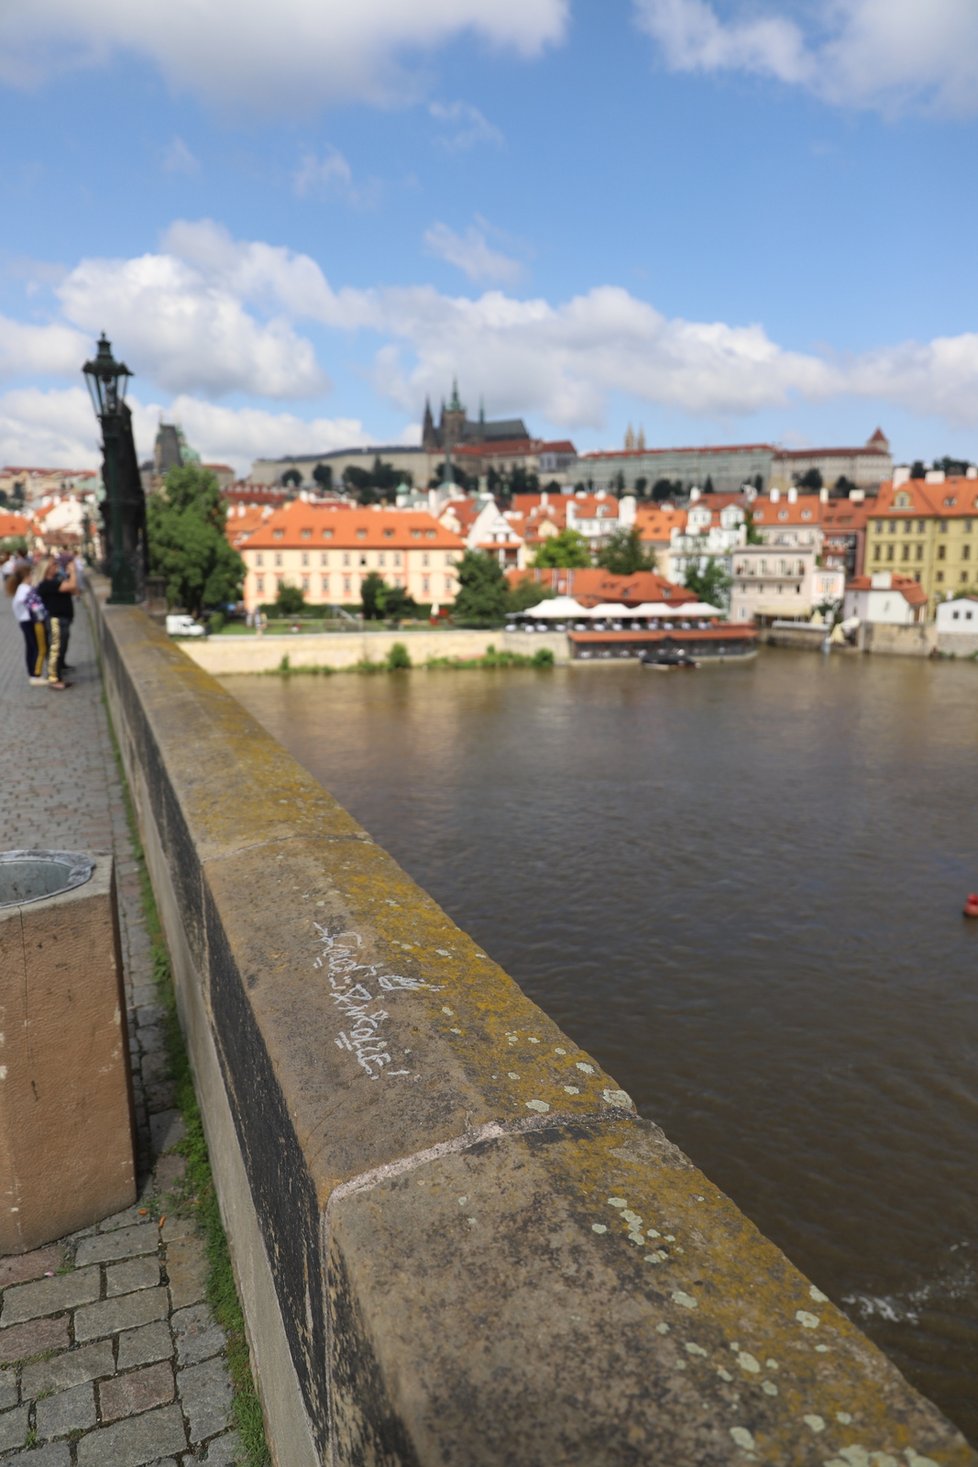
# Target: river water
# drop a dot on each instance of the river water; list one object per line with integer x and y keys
{"x": 741, "y": 890}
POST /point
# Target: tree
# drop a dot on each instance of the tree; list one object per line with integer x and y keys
{"x": 289, "y": 600}
{"x": 663, "y": 489}
{"x": 322, "y": 475}
{"x": 372, "y": 597}
{"x": 753, "y": 534}
{"x": 293, "y": 477}
{"x": 953, "y": 467}
{"x": 188, "y": 548}
{"x": 624, "y": 553}
{"x": 810, "y": 480}
{"x": 481, "y": 599}
{"x": 568, "y": 550}
{"x": 528, "y": 593}
{"x": 382, "y": 602}
{"x": 711, "y": 584}
{"x": 617, "y": 485}
{"x": 708, "y": 486}
{"x": 641, "y": 484}
{"x": 918, "y": 470}
{"x": 842, "y": 487}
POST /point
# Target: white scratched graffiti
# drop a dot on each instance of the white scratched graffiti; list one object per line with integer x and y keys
{"x": 353, "y": 984}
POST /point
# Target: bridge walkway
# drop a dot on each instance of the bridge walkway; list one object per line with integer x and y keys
{"x": 109, "y": 1353}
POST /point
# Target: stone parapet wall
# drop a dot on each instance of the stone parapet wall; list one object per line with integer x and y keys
{"x": 894, "y": 641}
{"x": 224, "y": 655}
{"x": 958, "y": 644}
{"x": 455, "y": 1239}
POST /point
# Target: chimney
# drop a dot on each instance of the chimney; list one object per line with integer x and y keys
{"x": 775, "y": 495}
{"x": 823, "y": 495}
{"x": 792, "y": 495}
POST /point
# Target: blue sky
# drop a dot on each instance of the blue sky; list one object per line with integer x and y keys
{"x": 721, "y": 220}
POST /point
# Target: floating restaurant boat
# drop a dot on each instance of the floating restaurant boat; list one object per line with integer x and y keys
{"x": 616, "y": 630}
{"x": 668, "y": 659}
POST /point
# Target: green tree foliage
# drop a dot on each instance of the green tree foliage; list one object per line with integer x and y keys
{"x": 382, "y": 602}
{"x": 711, "y": 584}
{"x": 292, "y": 478}
{"x": 289, "y": 600}
{"x": 398, "y": 658}
{"x": 953, "y": 467}
{"x": 568, "y": 549}
{"x": 918, "y": 470}
{"x": 623, "y": 554}
{"x": 528, "y": 593}
{"x": 665, "y": 489}
{"x": 641, "y": 486}
{"x": 842, "y": 487}
{"x": 187, "y": 544}
{"x": 322, "y": 475}
{"x": 812, "y": 480}
{"x": 482, "y": 593}
{"x": 753, "y": 534}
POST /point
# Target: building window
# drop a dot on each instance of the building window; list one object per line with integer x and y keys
{"x": 259, "y": 559}
{"x": 363, "y": 559}
{"x": 388, "y": 534}
{"x": 327, "y": 534}
{"x": 425, "y": 558}
{"x": 260, "y": 583}
{"x": 939, "y": 577}
{"x": 425, "y": 584}
{"x": 941, "y": 552}
{"x": 919, "y": 552}
{"x": 892, "y": 527}
{"x": 381, "y": 558}
{"x": 305, "y": 557}
{"x": 324, "y": 585}
{"x": 347, "y": 585}
{"x": 323, "y": 557}
{"x": 305, "y": 583}
{"x": 346, "y": 557}
{"x": 904, "y": 552}
{"x": 965, "y": 552}
{"x": 361, "y": 534}
{"x": 397, "y": 557}
{"x": 889, "y": 552}
{"x": 920, "y": 527}
{"x": 448, "y": 585}
{"x": 305, "y": 534}
{"x": 278, "y": 557}
{"x": 277, "y": 534}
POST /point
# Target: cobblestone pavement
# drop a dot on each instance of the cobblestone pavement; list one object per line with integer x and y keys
{"x": 109, "y": 1354}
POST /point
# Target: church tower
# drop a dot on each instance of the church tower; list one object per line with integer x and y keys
{"x": 453, "y": 420}
{"x": 429, "y": 438}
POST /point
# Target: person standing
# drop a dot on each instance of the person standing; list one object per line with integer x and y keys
{"x": 31, "y": 616}
{"x": 56, "y": 589}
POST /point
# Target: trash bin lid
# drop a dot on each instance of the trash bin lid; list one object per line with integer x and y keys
{"x": 30, "y": 876}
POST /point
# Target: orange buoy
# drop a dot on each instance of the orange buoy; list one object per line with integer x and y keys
{"x": 971, "y": 904}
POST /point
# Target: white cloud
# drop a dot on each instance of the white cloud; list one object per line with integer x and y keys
{"x": 887, "y": 54}
{"x": 295, "y": 55}
{"x": 318, "y": 177}
{"x": 189, "y": 333}
{"x": 471, "y": 253}
{"x": 464, "y": 126}
{"x": 48, "y": 429}
{"x": 27, "y": 350}
{"x": 177, "y": 158}
{"x": 939, "y": 377}
{"x": 239, "y": 435}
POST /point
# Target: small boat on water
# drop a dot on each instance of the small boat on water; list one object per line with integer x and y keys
{"x": 668, "y": 659}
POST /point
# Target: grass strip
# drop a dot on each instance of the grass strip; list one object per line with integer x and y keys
{"x": 198, "y": 1197}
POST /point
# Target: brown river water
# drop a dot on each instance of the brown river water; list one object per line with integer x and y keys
{"x": 741, "y": 890}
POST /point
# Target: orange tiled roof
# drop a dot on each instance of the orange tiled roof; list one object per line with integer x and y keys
{"x": 955, "y": 498}
{"x": 12, "y": 525}
{"x": 593, "y": 585}
{"x": 908, "y": 588}
{"x": 299, "y": 524}
{"x": 805, "y": 510}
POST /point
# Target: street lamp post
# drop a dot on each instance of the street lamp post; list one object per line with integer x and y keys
{"x": 124, "y": 511}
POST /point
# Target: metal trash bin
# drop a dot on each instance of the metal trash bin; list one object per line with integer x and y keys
{"x": 67, "y": 1156}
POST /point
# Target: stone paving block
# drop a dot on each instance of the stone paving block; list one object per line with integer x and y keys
{"x": 176, "y": 1226}
{"x": 132, "y": 1274}
{"x": 166, "y": 1130}
{"x": 69, "y": 1369}
{"x": 196, "y": 1334}
{"x": 8, "y": 1389}
{"x": 23, "y": 1341}
{"x": 143, "y": 1346}
{"x": 126, "y": 1312}
{"x": 186, "y": 1265}
{"x": 23, "y": 1267}
{"x": 224, "y": 1451}
{"x": 150, "y": 1013}
{"x": 50, "y": 1296}
{"x": 156, "y": 1068}
{"x": 72, "y": 1410}
{"x": 55, "y": 1454}
{"x": 122, "y": 1243}
{"x": 134, "y": 1442}
{"x": 205, "y": 1394}
{"x": 131, "y": 1217}
{"x": 13, "y": 1428}
{"x": 140, "y": 1390}
{"x": 151, "y": 1038}
{"x": 170, "y": 1171}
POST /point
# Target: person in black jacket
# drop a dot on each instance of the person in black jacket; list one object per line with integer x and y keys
{"x": 57, "y": 589}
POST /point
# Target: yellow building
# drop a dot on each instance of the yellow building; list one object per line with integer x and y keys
{"x": 327, "y": 551}
{"x": 928, "y": 531}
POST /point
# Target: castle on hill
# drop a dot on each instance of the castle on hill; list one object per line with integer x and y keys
{"x": 455, "y": 428}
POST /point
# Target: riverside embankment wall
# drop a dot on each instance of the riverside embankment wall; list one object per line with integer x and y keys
{"x": 455, "y": 1240}
{"x": 224, "y": 655}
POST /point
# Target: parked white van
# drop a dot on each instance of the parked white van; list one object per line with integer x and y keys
{"x": 182, "y": 625}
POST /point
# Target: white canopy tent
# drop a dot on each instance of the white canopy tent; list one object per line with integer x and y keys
{"x": 558, "y": 608}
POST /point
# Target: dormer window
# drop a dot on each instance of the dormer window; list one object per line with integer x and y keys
{"x": 361, "y": 534}
{"x": 327, "y": 534}
{"x": 278, "y": 534}
{"x": 782, "y": 514}
{"x": 305, "y": 534}
{"x": 388, "y": 534}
